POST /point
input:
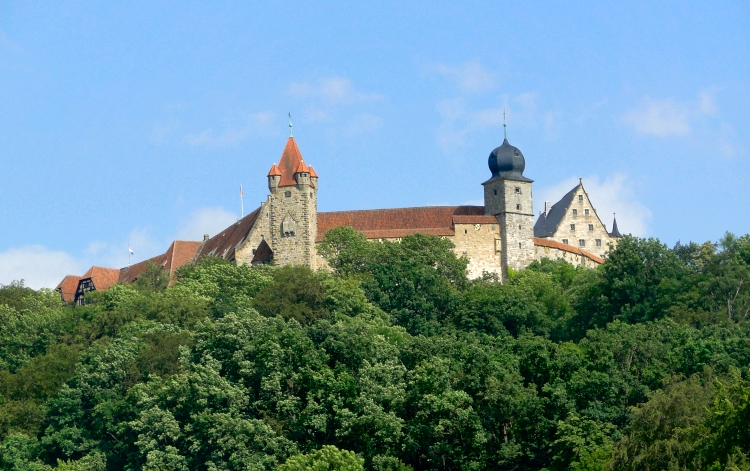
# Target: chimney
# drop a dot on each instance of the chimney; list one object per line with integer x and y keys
{"x": 205, "y": 237}
{"x": 547, "y": 207}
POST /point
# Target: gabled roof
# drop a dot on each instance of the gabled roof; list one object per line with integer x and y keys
{"x": 223, "y": 244}
{"x": 547, "y": 224}
{"x": 398, "y": 222}
{"x": 131, "y": 273}
{"x": 178, "y": 254}
{"x": 67, "y": 288}
{"x": 102, "y": 277}
{"x": 263, "y": 254}
{"x": 567, "y": 248}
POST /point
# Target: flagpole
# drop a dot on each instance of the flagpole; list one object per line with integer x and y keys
{"x": 242, "y": 203}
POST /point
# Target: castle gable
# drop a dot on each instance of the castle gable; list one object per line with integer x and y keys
{"x": 548, "y": 222}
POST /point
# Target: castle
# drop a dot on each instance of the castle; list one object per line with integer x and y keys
{"x": 496, "y": 238}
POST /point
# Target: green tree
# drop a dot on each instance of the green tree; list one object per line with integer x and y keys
{"x": 328, "y": 458}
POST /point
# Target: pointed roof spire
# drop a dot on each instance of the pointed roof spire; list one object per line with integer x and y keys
{"x": 313, "y": 173}
{"x": 615, "y": 231}
{"x": 275, "y": 171}
{"x": 290, "y": 125}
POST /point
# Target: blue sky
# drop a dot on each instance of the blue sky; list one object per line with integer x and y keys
{"x": 136, "y": 122}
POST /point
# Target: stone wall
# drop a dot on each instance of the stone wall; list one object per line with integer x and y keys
{"x": 261, "y": 230}
{"x": 482, "y": 245}
{"x": 511, "y": 202}
{"x": 555, "y": 254}
{"x": 300, "y": 204}
{"x": 588, "y": 227}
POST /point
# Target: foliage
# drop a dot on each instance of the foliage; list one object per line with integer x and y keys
{"x": 393, "y": 360}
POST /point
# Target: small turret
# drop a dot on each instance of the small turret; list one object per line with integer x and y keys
{"x": 302, "y": 175}
{"x": 615, "y": 234}
{"x": 313, "y": 177}
{"x": 274, "y": 177}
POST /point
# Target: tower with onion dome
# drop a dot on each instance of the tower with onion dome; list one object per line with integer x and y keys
{"x": 507, "y": 196}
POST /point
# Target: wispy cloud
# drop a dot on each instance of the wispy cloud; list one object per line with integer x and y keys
{"x": 613, "y": 194}
{"x": 233, "y": 133}
{"x": 332, "y": 91}
{"x": 470, "y": 77}
{"x": 667, "y": 117}
{"x": 202, "y": 221}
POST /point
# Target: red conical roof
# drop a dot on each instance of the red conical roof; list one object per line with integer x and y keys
{"x": 290, "y": 160}
{"x": 275, "y": 171}
{"x": 313, "y": 173}
{"x": 302, "y": 167}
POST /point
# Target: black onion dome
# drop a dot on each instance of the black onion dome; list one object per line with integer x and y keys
{"x": 507, "y": 161}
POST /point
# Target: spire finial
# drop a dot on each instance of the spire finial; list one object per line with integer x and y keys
{"x": 505, "y": 126}
{"x": 290, "y": 125}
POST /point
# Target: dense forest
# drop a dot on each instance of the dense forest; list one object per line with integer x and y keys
{"x": 393, "y": 360}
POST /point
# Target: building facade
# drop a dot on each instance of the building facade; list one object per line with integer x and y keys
{"x": 496, "y": 238}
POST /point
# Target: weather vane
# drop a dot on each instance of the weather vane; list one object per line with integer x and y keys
{"x": 290, "y": 125}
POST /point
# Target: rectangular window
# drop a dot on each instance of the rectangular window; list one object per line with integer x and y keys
{"x": 591, "y": 227}
{"x": 580, "y": 198}
{"x": 572, "y": 227}
{"x": 518, "y": 207}
{"x": 581, "y": 242}
{"x": 518, "y": 190}
{"x": 598, "y": 242}
{"x": 575, "y": 212}
{"x": 565, "y": 241}
{"x": 586, "y": 212}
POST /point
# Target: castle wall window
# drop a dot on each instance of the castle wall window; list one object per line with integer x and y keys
{"x": 591, "y": 227}
{"x": 598, "y": 242}
{"x": 586, "y": 212}
{"x": 580, "y": 198}
{"x": 582, "y": 242}
{"x": 518, "y": 190}
{"x": 495, "y": 191}
{"x": 519, "y": 245}
{"x": 565, "y": 241}
{"x": 518, "y": 207}
{"x": 572, "y": 227}
{"x": 288, "y": 194}
{"x": 575, "y": 212}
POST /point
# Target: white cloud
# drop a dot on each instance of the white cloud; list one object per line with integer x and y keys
{"x": 660, "y": 118}
{"x": 115, "y": 254}
{"x": 668, "y": 117}
{"x": 333, "y": 90}
{"x": 254, "y": 124}
{"x": 613, "y": 194}
{"x": 209, "y": 221}
{"x": 470, "y": 77}
{"x": 38, "y": 266}
{"x": 364, "y": 123}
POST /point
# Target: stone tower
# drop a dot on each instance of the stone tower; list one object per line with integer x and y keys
{"x": 293, "y": 208}
{"x": 507, "y": 196}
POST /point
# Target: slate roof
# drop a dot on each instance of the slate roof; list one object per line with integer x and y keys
{"x": 546, "y": 225}
{"x": 223, "y": 244}
{"x": 67, "y": 288}
{"x": 567, "y": 248}
{"x": 399, "y": 222}
{"x": 615, "y": 231}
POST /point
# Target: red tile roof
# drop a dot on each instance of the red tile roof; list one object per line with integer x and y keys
{"x": 290, "y": 160}
{"x": 102, "y": 277}
{"x": 180, "y": 253}
{"x": 302, "y": 167}
{"x": 313, "y": 173}
{"x": 567, "y": 248}
{"x": 397, "y": 222}
{"x": 274, "y": 172}
{"x": 68, "y": 287}
{"x": 131, "y": 273}
{"x": 223, "y": 244}
{"x": 479, "y": 219}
